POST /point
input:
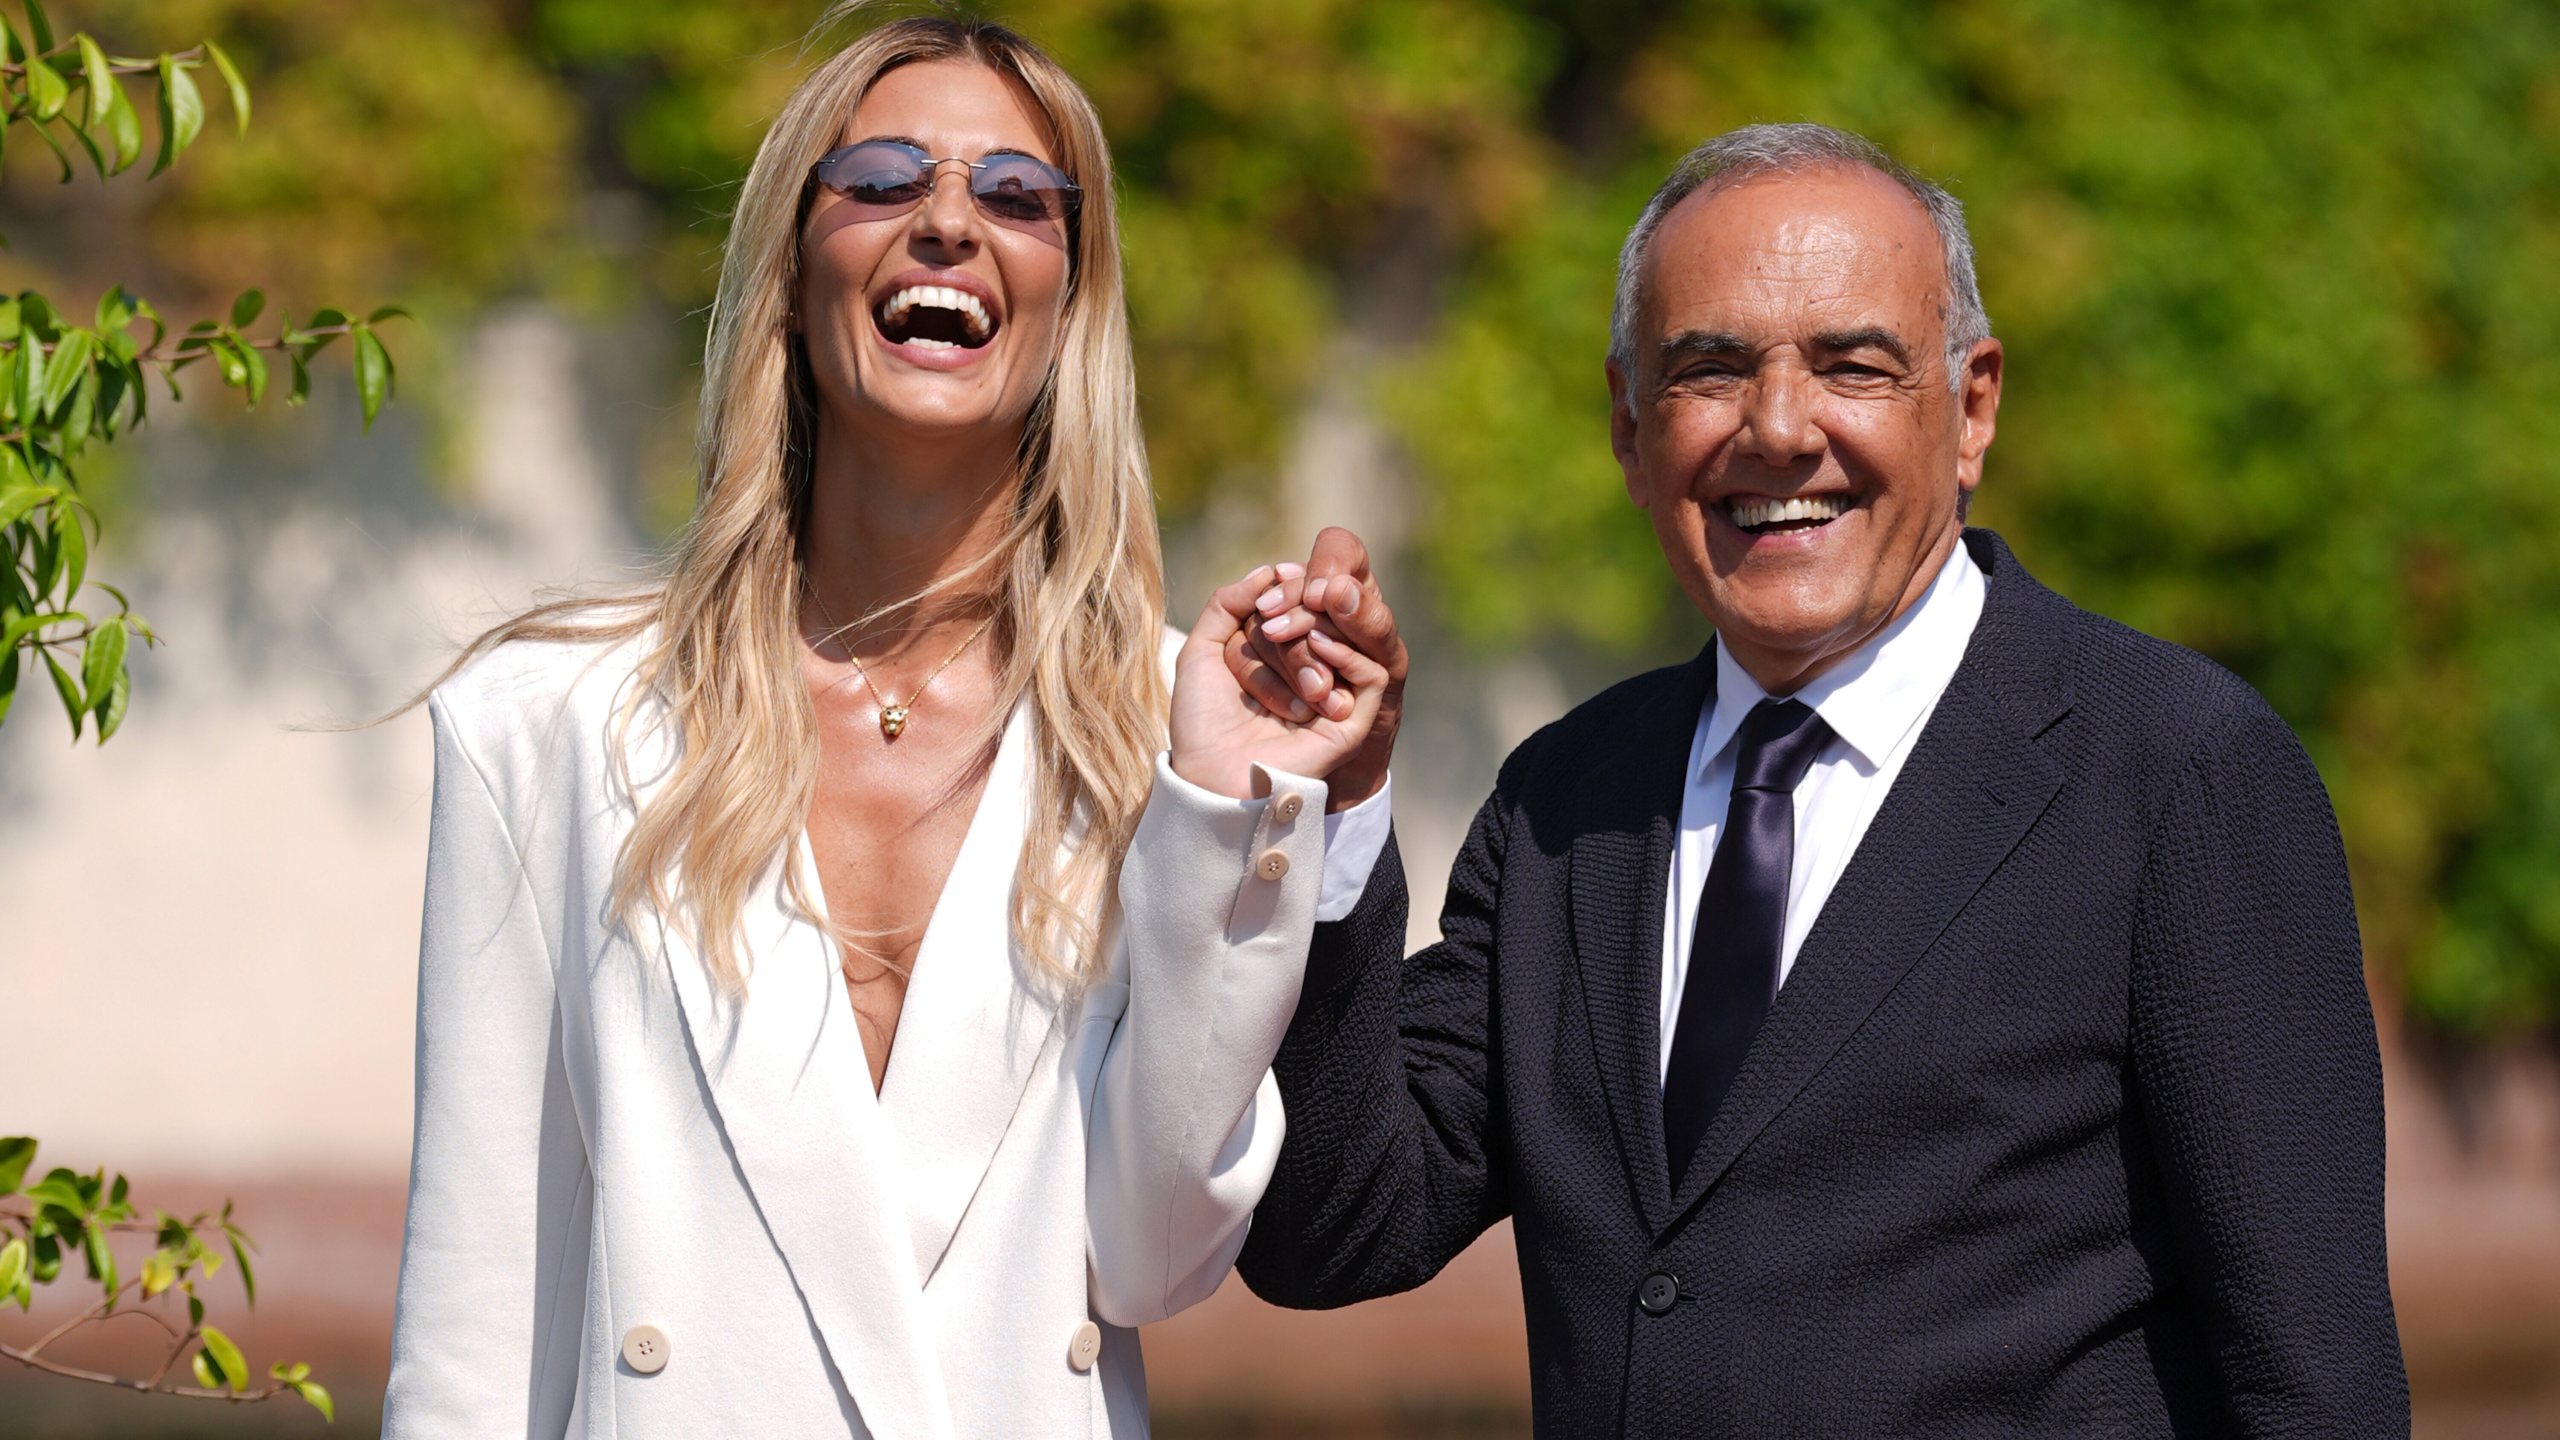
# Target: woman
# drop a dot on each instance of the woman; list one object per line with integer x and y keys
{"x": 835, "y": 1016}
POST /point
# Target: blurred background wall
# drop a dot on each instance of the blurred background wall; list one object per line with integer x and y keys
{"x": 2283, "y": 349}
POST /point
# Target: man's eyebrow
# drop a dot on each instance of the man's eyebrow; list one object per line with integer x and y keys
{"x": 1689, "y": 343}
{"x": 1871, "y": 337}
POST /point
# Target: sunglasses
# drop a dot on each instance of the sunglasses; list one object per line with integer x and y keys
{"x": 882, "y": 178}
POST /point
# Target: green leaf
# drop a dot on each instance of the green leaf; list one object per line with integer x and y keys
{"x": 240, "y": 1252}
{"x": 231, "y": 79}
{"x": 124, "y": 127}
{"x": 101, "y": 661}
{"x": 235, "y": 1371}
{"x": 181, "y": 112}
{"x": 17, "y": 1152}
{"x": 47, "y": 92}
{"x": 159, "y": 1272}
{"x": 69, "y": 689}
{"x": 111, "y": 714}
{"x": 233, "y": 360}
{"x": 115, "y": 309}
{"x": 39, "y": 26}
{"x": 102, "y": 1260}
{"x": 208, "y": 1374}
{"x": 48, "y": 1253}
{"x": 93, "y": 71}
{"x": 8, "y": 697}
{"x": 300, "y": 389}
{"x": 70, "y": 361}
{"x": 30, "y": 373}
{"x": 61, "y": 1190}
{"x": 13, "y": 1263}
{"x": 257, "y": 367}
{"x": 387, "y": 312}
{"x": 195, "y": 1307}
{"x": 73, "y": 542}
{"x": 373, "y": 374}
{"x": 317, "y": 1396}
{"x": 10, "y": 47}
{"x": 245, "y": 309}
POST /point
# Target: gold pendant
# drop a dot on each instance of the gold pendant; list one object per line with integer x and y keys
{"x": 893, "y": 718}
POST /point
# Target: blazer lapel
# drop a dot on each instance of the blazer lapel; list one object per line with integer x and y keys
{"x": 787, "y": 1080}
{"x": 972, "y": 1031}
{"x": 1974, "y": 784}
{"x": 1620, "y": 873}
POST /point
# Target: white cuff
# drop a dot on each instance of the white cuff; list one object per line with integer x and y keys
{"x": 1352, "y": 843}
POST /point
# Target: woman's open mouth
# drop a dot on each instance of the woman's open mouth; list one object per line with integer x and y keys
{"x": 934, "y": 317}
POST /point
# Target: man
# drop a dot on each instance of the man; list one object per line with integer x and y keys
{"x": 1933, "y": 1010}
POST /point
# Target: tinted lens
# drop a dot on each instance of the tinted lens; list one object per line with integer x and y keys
{"x": 1020, "y": 190}
{"x": 877, "y": 174}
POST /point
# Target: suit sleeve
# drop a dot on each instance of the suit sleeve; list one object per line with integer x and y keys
{"x": 491, "y": 1283}
{"x": 1391, "y": 1167}
{"x": 1218, "y": 897}
{"x": 2260, "y": 1082}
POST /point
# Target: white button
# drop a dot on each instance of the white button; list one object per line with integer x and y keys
{"x": 1287, "y": 807}
{"x": 644, "y": 1348}
{"x": 1271, "y": 865}
{"x": 1085, "y": 1346}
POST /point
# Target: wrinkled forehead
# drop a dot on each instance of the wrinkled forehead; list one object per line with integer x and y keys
{"x": 1827, "y": 246}
{"x": 960, "y": 106}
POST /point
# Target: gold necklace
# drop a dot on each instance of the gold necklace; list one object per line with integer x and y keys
{"x": 893, "y": 714}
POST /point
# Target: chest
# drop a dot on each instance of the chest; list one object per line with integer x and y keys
{"x": 886, "y": 828}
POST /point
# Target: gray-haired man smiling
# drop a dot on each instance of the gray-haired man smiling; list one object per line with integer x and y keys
{"x": 1933, "y": 1010}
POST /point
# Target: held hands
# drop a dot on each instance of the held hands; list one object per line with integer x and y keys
{"x": 1314, "y": 682}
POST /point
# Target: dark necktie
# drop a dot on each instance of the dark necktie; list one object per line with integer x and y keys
{"x": 1742, "y": 922}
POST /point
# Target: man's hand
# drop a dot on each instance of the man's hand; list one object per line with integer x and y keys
{"x": 1275, "y": 657}
{"x": 1221, "y": 728}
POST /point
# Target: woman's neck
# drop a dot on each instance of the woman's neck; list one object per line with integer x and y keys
{"x": 886, "y": 522}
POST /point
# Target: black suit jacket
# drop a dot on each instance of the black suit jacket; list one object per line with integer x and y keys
{"x": 2067, "y": 1121}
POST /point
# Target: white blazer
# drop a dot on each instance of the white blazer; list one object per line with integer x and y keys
{"x": 642, "y": 1207}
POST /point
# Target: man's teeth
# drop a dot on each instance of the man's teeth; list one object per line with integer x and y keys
{"x": 1753, "y": 511}
{"x": 939, "y": 297}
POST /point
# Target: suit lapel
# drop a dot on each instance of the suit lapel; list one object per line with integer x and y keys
{"x": 787, "y": 1080}
{"x": 1620, "y": 873}
{"x": 971, "y": 1034}
{"x": 1975, "y": 782}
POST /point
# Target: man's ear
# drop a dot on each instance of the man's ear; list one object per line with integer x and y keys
{"x": 1978, "y": 404}
{"x": 1622, "y": 433}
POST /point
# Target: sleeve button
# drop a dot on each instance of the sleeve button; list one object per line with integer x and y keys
{"x": 1271, "y": 865}
{"x": 1084, "y": 1347}
{"x": 1286, "y": 808}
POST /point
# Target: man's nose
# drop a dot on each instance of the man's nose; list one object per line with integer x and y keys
{"x": 948, "y": 218}
{"x": 1780, "y": 420}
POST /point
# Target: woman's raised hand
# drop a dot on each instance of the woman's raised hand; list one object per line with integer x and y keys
{"x": 1223, "y": 725}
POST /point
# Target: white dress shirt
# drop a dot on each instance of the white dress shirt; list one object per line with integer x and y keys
{"x": 1352, "y": 842}
{"x": 1877, "y": 701}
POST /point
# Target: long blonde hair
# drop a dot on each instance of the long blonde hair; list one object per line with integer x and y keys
{"x": 1077, "y": 579}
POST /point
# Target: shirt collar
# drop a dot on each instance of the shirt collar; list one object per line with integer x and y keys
{"x": 1873, "y": 697}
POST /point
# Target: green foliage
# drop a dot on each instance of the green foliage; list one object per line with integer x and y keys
{"x": 64, "y": 386}
{"x": 67, "y": 1212}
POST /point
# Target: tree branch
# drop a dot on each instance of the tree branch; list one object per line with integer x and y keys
{"x": 203, "y": 344}
{"x": 146, "y": 1387}
{"x": 114, "y": 66}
